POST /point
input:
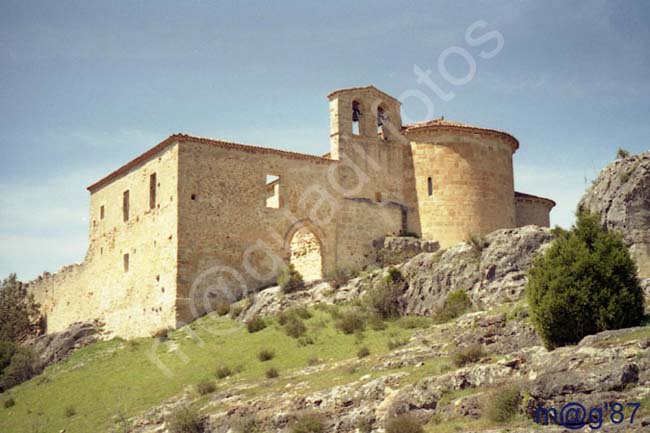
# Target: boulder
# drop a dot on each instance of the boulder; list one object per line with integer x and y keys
{"x": 620, "y": 196}
{"x": 57, "y": 346}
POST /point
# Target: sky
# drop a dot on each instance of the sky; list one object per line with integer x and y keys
{"x": 86, "y": 86}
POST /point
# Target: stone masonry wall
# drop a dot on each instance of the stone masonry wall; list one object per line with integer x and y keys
{"x": 531, "y": 211}
{"x": 472, "y": 184}
{"x": 141, "y": 300}
{"x": 361, "y": 222}
{"x": 230, "y": 242}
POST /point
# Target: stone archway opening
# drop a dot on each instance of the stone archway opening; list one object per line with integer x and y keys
{"x": 306, "y": 254}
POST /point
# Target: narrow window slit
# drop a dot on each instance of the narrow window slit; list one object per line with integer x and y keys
{"x": 125, "y": 205}
{"x": 272, "y": 191}
{"x": 152, "y": 191}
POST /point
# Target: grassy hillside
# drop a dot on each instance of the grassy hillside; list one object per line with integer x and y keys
{"x": 105, "y": 382}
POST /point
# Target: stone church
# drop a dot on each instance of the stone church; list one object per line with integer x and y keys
{"x": 194, "y": 218}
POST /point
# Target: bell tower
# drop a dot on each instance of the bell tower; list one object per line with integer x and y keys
{"x": 362, "y": 115}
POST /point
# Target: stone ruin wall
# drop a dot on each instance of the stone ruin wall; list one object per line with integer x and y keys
{"x": 134, "y": 303}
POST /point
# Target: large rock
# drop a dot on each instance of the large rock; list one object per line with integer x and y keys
{"x": 54, "y": 347}
{"x": 620, "y": 196}
{"x": 492, "y": 271}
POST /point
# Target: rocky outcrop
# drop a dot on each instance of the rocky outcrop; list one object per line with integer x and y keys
{"x": 612, "y": 366}
{"x": 620, "y": 196}
{"x": 492, "y": 270}
{"x": 54, "y": 347}
{"x": 272, "y": 301}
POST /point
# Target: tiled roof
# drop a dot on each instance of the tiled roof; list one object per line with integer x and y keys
{"x": 180, "y": 138}
{"x": 525, "y": 196}
{"x": 447, "y": 124}
{"x": 371, "y": 87}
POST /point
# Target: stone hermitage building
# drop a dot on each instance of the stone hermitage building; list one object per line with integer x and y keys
{"x": 195, "y": 219}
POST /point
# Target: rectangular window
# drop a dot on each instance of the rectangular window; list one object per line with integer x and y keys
{"x": 152, "y": 191}
{"x": 101, "y": 212}
{"x": 430, "y": 186}
{"x": 125, "y": 205}
{"x": 126, "y": 262}
{"x": 272, "y": 191}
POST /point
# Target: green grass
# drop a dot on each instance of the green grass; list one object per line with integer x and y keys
{"x": 117, "y": 377}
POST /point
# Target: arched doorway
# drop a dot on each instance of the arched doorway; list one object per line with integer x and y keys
{"x": 306, "y": 254}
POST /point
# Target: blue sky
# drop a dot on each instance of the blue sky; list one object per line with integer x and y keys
{"x": 87, "y": 85}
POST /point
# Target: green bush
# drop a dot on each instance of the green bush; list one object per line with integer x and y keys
{"x": 299, "y": 312}
{"x": 162, "y": 334}
{"x": 387, "y": 257}
{"x": 363, "y": 352}
{"x": 9, "y": 403}
{"x": 205, "y": 387}
{"x": 223, "y": 372}
{"x": 502, "y": 404}
{"x": 22, "y": 367}
{"x": 309, "y": 423}
{"x": 255, "y": 324}
{"x": 222, "y": 308}
{"x": 185, "y": 420}
{"x": 622, "y": 153}
{"x": 404, "y": 424}
{"x": 290, "y": 280}
{"x": 339, "y": 277}
{"x": 235, "y": 310}
{"x": 351, "y": 321}
{"x": 18, "y": 310}
{"x": 364, "y": 425}
{"x": 456, "y": 303}
{"x": 396, "y": 343}
{"x": 69, "y": 411}
{"x": 377, "y": 322}
{"x": 478, "y": 243}
{"x": 306, "y": 341}
{"x": 384, "y": 297}
{"x": 272, "y": 373}
{"x": 414, "y": 322}
{"x": 7, "y": 350}
{"x": 294, "y": 327}
{"x": 585, "y": 283}
{"x": 265, "y": 355}
{"x": 247, "y": 424}
{"x": 468, "y": 355}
